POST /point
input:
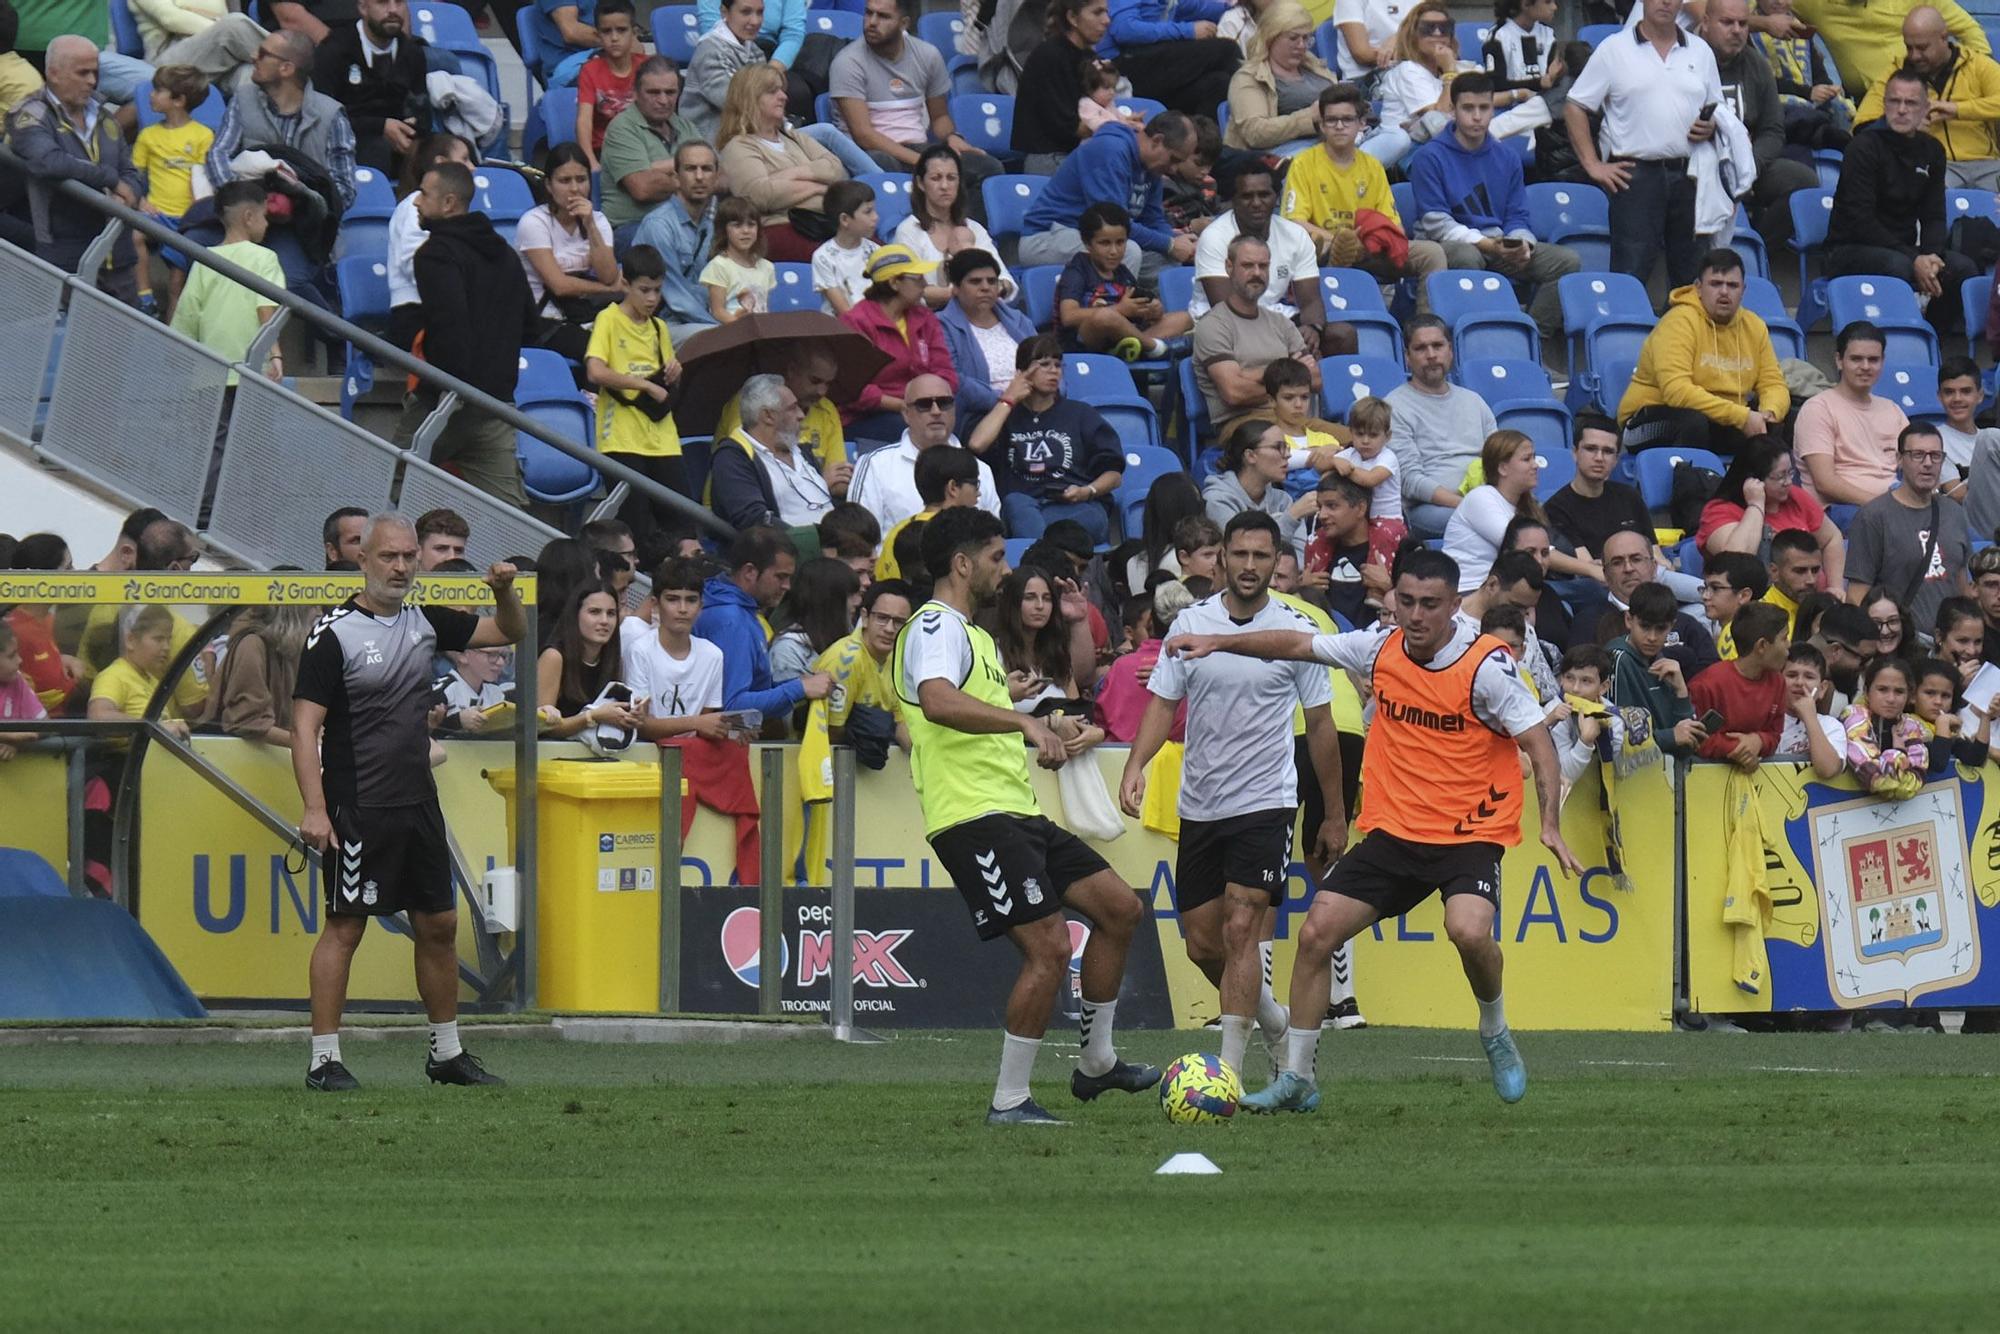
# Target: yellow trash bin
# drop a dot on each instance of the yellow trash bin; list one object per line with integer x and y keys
{"x": 597, "y": 900}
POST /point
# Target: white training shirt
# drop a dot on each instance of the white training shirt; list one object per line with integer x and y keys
{"x": 1649, "y": 104}
{"x": 1292, "y": 258}
{"x": 1499, "y": 699}
{"x": 673, "y": 687}
{"x": 1239, "y": 721}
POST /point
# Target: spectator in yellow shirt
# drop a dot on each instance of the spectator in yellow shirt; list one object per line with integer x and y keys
{"x": 122, "y": 691}
{"x": 631, "y": 362}
{"x": 1334, "y": 180}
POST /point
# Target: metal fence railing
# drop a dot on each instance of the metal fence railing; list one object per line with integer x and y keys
{"x": 30, "y": 305}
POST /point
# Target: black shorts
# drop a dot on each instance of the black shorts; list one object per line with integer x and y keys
{"x": 1393, "y": 875}
{"x": 1013, "y": 869}
{"x": 1253, "y": 850}
{"x": 388, "y": 859}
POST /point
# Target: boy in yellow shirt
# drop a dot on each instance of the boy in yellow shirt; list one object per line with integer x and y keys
{"x": 1334, "y": 180}
{"x": 169, "y": 153}
{"x": 631, "y": 361}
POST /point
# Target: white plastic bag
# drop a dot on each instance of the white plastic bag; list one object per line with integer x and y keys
{"x": 1087, "y": 807}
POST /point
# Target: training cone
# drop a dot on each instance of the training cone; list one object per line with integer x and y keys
{"x": 1188, "y": 1165}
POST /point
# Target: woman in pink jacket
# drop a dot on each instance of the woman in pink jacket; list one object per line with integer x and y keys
{"x": 892, "y": 315}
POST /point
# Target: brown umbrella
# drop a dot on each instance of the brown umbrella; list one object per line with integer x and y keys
{"x": 716, "y": 362}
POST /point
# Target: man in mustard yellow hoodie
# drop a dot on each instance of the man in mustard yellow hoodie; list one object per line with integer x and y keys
{"x": 1965, "y": 100}
{"x": 1707, "y": 377}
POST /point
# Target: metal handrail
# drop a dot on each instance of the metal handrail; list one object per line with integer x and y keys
{"x": 381, "y": 349}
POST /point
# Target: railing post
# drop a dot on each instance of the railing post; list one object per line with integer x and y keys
{"x": 76, "y": 765}
{"x": 771, "y": 883}
{"x": 840, "y": 1008}
{"x": 526, "y": 755}
{"x": 670, "y": 879}
{"x": 1682, "y": 769}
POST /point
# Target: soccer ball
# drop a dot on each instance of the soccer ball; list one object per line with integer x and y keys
{"x": 1199, "y": 1089}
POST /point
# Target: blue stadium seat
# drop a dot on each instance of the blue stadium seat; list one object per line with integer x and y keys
{"x": 1973, "y": 295}
{"x": 541, "y": 43}
{"x": 1891, "y": 305}
{"x": 1567, "y": 214}
{"x": 542, "y": 374}
{"x": 1008, "y": 199}
{"x": 1614, "y": 304}
{"x": 1508, "y": 382}
{"x": 501, "y": 193}
{"x": 941, "y": 31}
{"x": 1750, "y": 248}
{"x": 209, "y": 113}
{"x": 1548, "y": 425}
{"x": 548, "y": 475}
{"x": 559, "y": 116}
{"x": 1405, "y": 196}
{"x": 823, "y": 109}
{"x": 1811, "y": 211}
{"x": 1761, "y": 297}
{"x": 1608, "y": 343}
{"x": 1326, "y": 42}
{"x": 1593, "y": 34}
{"x": 125, "y": 37}
{"x": 1017, "y": 547}
{"x": 1970, "y": 204}
{"x": 675, "y": 31}
{"x": 695, "y": 456}
{"x": 1826, "y": 161}
{"x": 892, "y": 200}
{"x": 1472, "y": 35}
{"x": 1344, "y": 291}
{"x": 449, "y": 27}
{"x": 1144, "y": 464}
{"x": 794, "y": 289}
{"x": 1656, "y": 471}
{"x": 1176, "y": 286}
{"x": 842, "y": 24}
{"x": 1144, "y": 107}
{"x": 1342, "y": 380}
{"x": 364, "y": 228}
{"x": 362, "y": 284}
{"x": 986, "y": 121}
{"x": 1913, "y": 388}
{"x": 1106, "y": 384}
{"x": 1195, "y": 425}
{"x": 1611, "y": 383}
{"x": 1485, "y": 316}
{"x": 1038, "y": 292}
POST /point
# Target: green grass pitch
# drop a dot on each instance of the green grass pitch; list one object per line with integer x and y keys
{"x": 1693, "y": 1183}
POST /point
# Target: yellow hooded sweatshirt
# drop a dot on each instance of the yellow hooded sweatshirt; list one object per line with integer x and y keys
{"x": 1690, "y": 361}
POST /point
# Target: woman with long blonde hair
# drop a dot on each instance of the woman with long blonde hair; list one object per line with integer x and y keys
{"x": 770, "y": 164}
{"x": 1274, "y": 96}
{"x": 1416, "y": 90}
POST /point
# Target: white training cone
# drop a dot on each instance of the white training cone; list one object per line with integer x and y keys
{"x": 1188, "y": 1165}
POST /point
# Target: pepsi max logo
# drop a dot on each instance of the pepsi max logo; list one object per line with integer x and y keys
{"x": 742, "y": 948}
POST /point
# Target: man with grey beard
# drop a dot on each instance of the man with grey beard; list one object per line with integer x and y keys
{"x": 361, "y": 755}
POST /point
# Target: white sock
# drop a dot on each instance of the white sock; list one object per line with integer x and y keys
{"x": 1097, "y": 1054}
{"x": 1342, "y": 986}
{"x": 326, "y": 1047}
{"x": 444, "y": 1040}
{"x": 1017, "y": 1063}
{"x": 1155, "y": 348}
{"x": 1302, "y": 1051}
{"x": 1272, "y": 1017}
{"x": 1235, "y": 1040}
{"x": 1492, "y": 1017}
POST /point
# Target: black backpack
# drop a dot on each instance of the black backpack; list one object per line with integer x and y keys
{"x": 1694, "y": 486}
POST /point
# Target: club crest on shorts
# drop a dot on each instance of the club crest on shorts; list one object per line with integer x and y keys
{"x": 368, "y": 894}
{"x": 1031, "y": 889}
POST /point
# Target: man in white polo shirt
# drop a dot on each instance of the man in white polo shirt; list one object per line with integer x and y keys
{"x": 885, "y": 480}
{"x": 1293, "y": 288}
{"x": 1657, "y": 88}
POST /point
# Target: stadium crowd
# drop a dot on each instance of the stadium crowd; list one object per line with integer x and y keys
{"x": 1331, "y": 253}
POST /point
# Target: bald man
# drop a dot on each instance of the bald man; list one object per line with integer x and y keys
{"x": 1964, "y": 99}
{"x": 66, "y": 133}
{"x": 885, "y": 480}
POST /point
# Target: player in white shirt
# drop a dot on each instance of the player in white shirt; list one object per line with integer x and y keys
{"x": 1239, "y": 787}
{"x": 1442, "y": 785}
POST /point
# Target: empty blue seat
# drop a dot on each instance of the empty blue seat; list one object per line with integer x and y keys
{"x": 1811, "y": 211}
{"x": 842, "y": 24}
{"x": 1106, "y": 384}
{"x": 1656, "y": 471}
{"x": 1472, "y": 35}
{"x": 1008, "y": 199}
{"x": 794, "y": 288}
{"x": 1485, "y": 316}
{"x": 1176, "y": 286}
{"x": 941, "y": 31}
{"x": 548, "y": 475}
{"x": 1342, "y": 380}
{"x": 1195, "y": 425}
{"x": 1960, "y": 204}
{"x": 986, "y": 121}
{"x": 1593, "y": 34}
{"x": 1038, "y": 292}
{"x": 1913, "y": 388}
{"x": 501, "y": 193}
{"x": 1974, "y": 294}
{"x": 1891, "y": 305}
{"x": 1610, "y": 385}
{"x": 1511, "y": 381}
{"x": 1017, "y": 547}
{"x": 1826, "y": 161}
{"x": 1761, "y": 298}
{"x": 892, "y": 201}
{"x": 559, "y": 116}
{"x": 1405, "y": 196}
{"x": 1750, "y": 248}
{"x": 1344, "y": 291}
{"x": 1144, "y": 465}
{"x": 676, "y": 29}
{"x": 1559, "y": 210}
{"x": 542, "y": 374}
{"x": 362, "y": 285}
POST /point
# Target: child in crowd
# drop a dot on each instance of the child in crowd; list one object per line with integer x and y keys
{"x": 1190, "y": 197}
{"x": 1100, "y": 306}
{"x": 679, "y": 676}
{"x": 1807, "y": 731}
{"x": 1289, "y": 387}
{"x": 946, "y": 478}
{"x": 1960, "y": 393}
{"x": 220, "y": 313}
{"x": 1198, "y": 548}
{"x": 1509, "y": 624}
{"x": 1642, "y": 676}
{"x": 1885, "y": 744}
{"x": 1338, "y": 555}
{"x": 1730, "y": 581}
{"x": 631, "y": 362}
{"x": 1522, "y": 51}
{"x": 474, "y": 688}
{"x": 1964, "y": 737}
{"x": 170, "y": 153}
{"x": 18, "y": 700}
{"x": 604, "y": 86}
{"x": 1099, "y": 104}
{"x": 840, "y": 264}
{"x": 1748, "y": 690}
{"x": 122, "y": 690}
{"x": 1122, "y": 695}
{"x": 1586, "y": 729}
{"x": 738, "y": 278}
{"x": 1371, "y": 463}
{"x": 1960, "y": 638}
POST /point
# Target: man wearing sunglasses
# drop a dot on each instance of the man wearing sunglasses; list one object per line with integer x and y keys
{"x": 885, "y": 481}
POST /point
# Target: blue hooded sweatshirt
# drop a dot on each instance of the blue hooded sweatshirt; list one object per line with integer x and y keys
{"x": 1105, "y": 167}
{"x": 728, "y": 620}
{"x": 1456, "y": 189}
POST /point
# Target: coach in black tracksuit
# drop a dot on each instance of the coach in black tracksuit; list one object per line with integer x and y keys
{"x": 1888, "y": 211}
